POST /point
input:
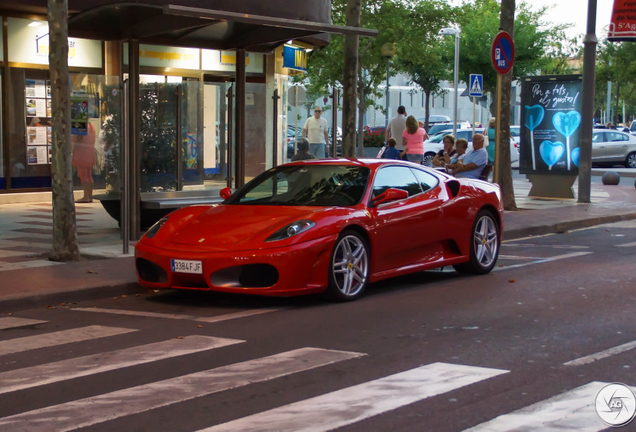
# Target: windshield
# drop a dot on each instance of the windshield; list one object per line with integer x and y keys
{"x": 305, "y": 185}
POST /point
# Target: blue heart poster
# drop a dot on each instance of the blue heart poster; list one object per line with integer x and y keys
{"x": 550, "y": 124}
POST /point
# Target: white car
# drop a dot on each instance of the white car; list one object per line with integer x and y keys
{"x": 434, "y": 145}
{"x": 613, "y": 147}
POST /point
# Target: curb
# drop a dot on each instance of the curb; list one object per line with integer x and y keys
{"x": 562, "y": 227}
{"x": 79, "y": 295}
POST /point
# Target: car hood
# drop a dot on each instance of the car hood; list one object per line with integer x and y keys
{"x": 241, "y": 227}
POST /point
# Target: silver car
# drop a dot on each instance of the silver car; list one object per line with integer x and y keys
{"x": 613, "y": 147}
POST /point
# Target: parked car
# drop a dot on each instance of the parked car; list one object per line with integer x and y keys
{"x": 434, "y": 119}
{"x": 325, "y": 226}
{"x": 292, "y": 135}
{"x": 632, "y": 129}
{"x": 432, "y": 130}
{"x": 613, "y": 147}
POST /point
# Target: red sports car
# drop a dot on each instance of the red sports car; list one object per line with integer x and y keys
{"x": 325, "y": 226}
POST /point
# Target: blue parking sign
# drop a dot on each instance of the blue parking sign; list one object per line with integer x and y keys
{"x": 476, "y": 86}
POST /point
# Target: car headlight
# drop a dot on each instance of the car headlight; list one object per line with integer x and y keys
{"x": 291, "y": 230}
{"x": 156, "y": 227}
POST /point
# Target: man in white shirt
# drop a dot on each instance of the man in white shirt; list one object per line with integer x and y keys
{"x": 396, "y": 127}
{"x": 316, "y": 131}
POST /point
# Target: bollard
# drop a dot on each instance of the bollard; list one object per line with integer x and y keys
{"x": 611, "y": 178}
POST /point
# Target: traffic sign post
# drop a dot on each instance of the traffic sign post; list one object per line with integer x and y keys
{"x": 503, "y": 57}
{"x": 476, "y": 89}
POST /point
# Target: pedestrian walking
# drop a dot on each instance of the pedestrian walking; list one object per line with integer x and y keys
{"x": 316, "y": 131}
{"x": 396, "y": 127}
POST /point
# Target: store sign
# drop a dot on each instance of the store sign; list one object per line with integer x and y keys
{"x": 623, "y": 24}
{"x": 225, "y": 61}
{"x": 551, "y": 118}
{"x": 29, "y": 43}
{"x": 163, "y": 56}
{"x": 295, "y": 58}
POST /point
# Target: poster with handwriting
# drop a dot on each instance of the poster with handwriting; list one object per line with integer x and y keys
{"x": 550, "y": 124}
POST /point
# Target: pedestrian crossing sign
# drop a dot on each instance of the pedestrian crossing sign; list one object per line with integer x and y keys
{"x": 476, "y": 88}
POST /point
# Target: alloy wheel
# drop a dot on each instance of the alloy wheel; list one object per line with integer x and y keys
{"x": 350, "y": 265}
{"x": 486, "y": 241}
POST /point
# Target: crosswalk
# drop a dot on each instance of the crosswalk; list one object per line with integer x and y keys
{"x": 573, "y": 410}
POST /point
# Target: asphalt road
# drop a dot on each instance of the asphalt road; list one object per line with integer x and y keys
{"x": 433, "y": 351}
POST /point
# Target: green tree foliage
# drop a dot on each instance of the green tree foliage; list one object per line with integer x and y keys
{"x": 535, "y": 43}
{"x": 616, "y": 62}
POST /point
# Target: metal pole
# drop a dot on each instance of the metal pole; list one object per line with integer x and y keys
{"x": 230, "y": 137}
{"x": 241, "y": 121}
{"x": 587, "y": 105}
{"x": 608, "y": 117}
{"x": 495, "y": 169}
{"x": 124, "y": 167}
{"x": 456, "y": 80}
{"x": 275, "y": 98}
{"x": 134, "y": 117}
{"x": 179, "y": 140}
{"x": 388, "y": 94}
{"x": 474, "y": 103}
{"x": 334, "y": 123}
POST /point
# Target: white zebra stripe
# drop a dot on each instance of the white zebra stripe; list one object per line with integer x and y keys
{"x": 14, "y": 322}
{"x": 353, "y": 404}
{"x": 213, "y": 319}
{"x": 13, "y": 346}
{"x": 570, "y": 411}
{"x": 98, "y": 409}
{"x": 82, "y": 366}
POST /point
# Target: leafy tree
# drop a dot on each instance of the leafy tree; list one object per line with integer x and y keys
{"x": 534, "y": 41}
{"x": 616, "y": 62}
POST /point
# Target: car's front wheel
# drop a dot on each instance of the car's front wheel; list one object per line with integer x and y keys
{"x": 484, "y": 245}
{"x": 630, "y": 160}
{"x": 349, "y": 267}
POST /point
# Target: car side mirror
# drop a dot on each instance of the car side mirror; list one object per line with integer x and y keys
{"x": 390, "y": 195}
{"x": 226, "y": 193}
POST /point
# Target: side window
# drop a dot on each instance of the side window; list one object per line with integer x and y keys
{"x": 397, "y": 177}
{"x": 597, "y": 137}
{"x": 617, "y": 137}
{"x": 427, "y": 181}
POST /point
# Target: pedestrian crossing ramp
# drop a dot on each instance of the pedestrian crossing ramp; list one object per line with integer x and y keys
{"x": 572, "y": 410}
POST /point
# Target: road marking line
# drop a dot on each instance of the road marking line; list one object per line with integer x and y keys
{"x": 89, "y": 365}
{"x": 522, "y": 245}
{"x": 570, "y": 411}
{"x": 554, "y": 258}
{"x": 627, "y": 244}
{"x": 110, "y": 406}
{"x": 14, "y": 322}
{"x": 353, "y": 404}
{"x": 13, "y": 346}
{"x": 214, "y": 319}
{"x": 516, "y": 257}
{"x": 602, "y": 354}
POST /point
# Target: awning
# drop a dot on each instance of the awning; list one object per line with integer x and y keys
{"x": 185, "y": 26}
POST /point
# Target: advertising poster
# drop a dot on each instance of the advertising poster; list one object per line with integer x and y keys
{"x": 36, "y": 135}
{"x": 550, "y": 124}
{"x": 37, "y": 155}
{"x": 35, "y": 88}
{"x": 79, "y": 113}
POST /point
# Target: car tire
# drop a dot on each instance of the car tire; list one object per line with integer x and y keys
{"x": 630, "y": 160}
{"x": 428, "y": 159}
{"x": 484, "y": 245}
{"x": 348, "y": 267}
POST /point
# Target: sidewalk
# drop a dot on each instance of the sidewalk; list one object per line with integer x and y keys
{"x": 28, "y": 279}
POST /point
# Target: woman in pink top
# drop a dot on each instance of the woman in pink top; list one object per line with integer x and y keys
{"x": 413, "y": 139}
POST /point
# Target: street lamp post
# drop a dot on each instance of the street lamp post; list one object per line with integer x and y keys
{"x": 388, "y": 51}
{"x": 455, "y": 32}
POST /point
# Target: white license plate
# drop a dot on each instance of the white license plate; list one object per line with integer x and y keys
{"x": 185, "y": 266}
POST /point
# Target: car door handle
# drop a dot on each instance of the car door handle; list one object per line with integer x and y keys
{"x": 601, "y": 146}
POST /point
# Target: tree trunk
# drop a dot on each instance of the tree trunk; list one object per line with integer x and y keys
{"x": 507, "y": 23}
{"x": 65, "y": 244}
{"x": 350, "y": 78}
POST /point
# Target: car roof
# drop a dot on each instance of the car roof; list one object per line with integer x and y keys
{"x": 368, "y": 162}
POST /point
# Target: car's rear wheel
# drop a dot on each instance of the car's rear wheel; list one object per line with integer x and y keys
{"x": 428, "y": 159}
{"x": 630, "y": 160}
{"x": 484, "y": 245}
{"x": 349, "y": 267}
